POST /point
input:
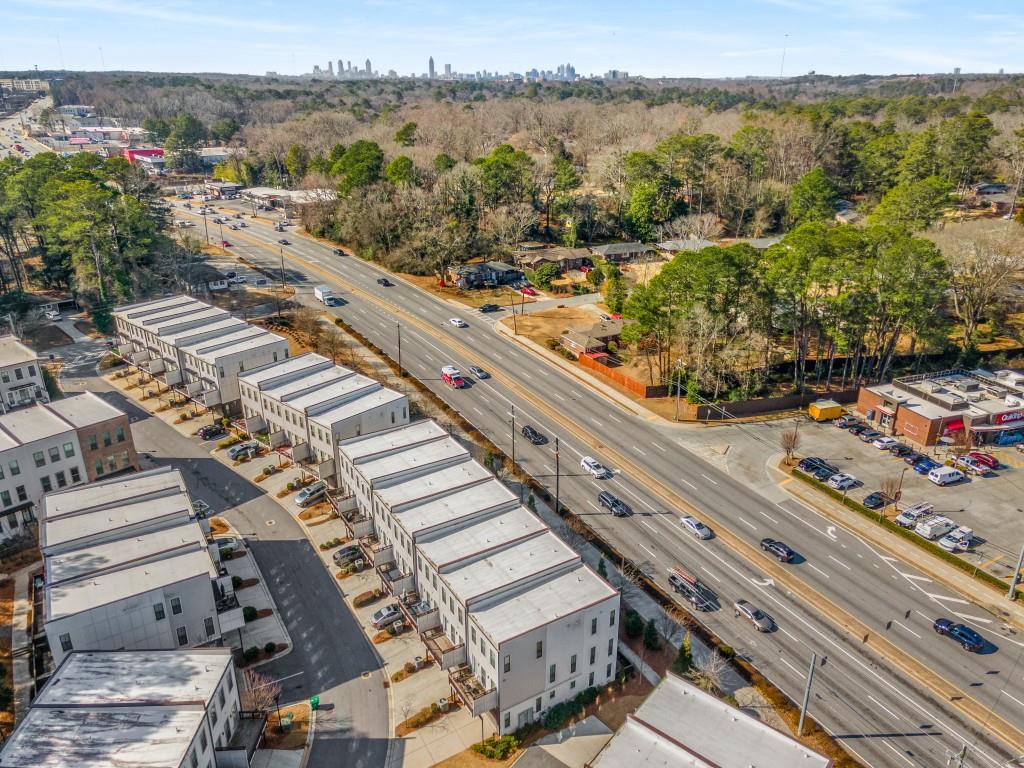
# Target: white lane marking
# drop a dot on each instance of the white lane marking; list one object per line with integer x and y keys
{"x": 632, "y": 494}
{"x": 839, "y": 562}
{"x": 658, "y": 447}
{"x": 595, "y": 506}
{"x": 1010, "y": 696}
{"x": 789, "y": 635}
{"x": 797, "y": 671}
{"x": 645, "y": 549}
{"x": 977, "y": 619}
{"x": 709, "y": 573}
{"x": 797, "y": 517}
{"x": 596, "y": 421}
{"x": 638, "y": 451}
{"x": 713, "y": 482}
{"x": 612, "y": 417}
{"x": 549, "y": 468}
{"x": 526, "y": 376}
{"x": 892, "y": 714}
{"x": 915, "y": 577}
{"x": 947, "y": 598}
{"x": 558, "y": 396}
{"x": 905, "y": 758}
{"x": 478, "y": 410}
{"x": 684, "y": 480}
{"x": 908, "y": 629}
{"x": 542, "y": 372}
{"x": 765, "y": 514}
{"x": 747, "y": 523}
{"x": 644, "y": 522}
{"x": 812, "y": 565}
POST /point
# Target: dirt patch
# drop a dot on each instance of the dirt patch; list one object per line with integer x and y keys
{"x": 611, "y": 709}
{"x": 248, "y": 583}
{"x": 218, "y": 526}
{"x": 45, "y": 337}
{"x": 470, "y": 759}
{"x": 423, "y": 718}
{"x": 6, "y": 614}
{"x": 471, "y": 298}
{"x": 263, "y": 613}
{"x": 250, "y": 297}
{"x": 659, "y": 660}
{"x": 86, "y": 326}
{"x": 382, "y": 637}
{"x": 296, "y": 736}
{"x": 550, "y": 323}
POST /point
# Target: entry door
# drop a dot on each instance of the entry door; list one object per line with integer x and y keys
{"x": 525, "y": 717}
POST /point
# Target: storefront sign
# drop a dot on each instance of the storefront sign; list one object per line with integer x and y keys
{"x": 1004, "y": 418}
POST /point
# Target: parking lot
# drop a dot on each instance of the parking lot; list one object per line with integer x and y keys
{"x": 993, "y": 506}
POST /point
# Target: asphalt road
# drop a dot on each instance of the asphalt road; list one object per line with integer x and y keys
{"x": 332, "y": 657}
{"x": 878, "y": 713}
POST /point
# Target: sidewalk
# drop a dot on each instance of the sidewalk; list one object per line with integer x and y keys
{"x": 985, "y": 597}
{"x": 21, "y": 640}
{"x": 269, "y": 629}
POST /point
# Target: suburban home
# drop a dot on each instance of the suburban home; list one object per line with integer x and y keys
{"x": 21, "y": 375}
{"x": 489, "y": 274}
{"x": 565, "y": 258}
{"x": 622, "y": 253}
{"x": 585, "y": 340}
{"x": 201, "y": 278}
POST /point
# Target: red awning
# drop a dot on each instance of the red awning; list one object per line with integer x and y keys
{"x": 953, "y": 426}
{"x": 883, "y": 409}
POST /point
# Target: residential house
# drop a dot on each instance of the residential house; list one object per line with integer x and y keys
{"x": 491, "y": 274}
{"x": 21, "y": 375}
{"x": 137, "y": 709}
{"x": 622, "y": 253}
{"x": 588, "y": 340}
{"x": 565, "y": 258}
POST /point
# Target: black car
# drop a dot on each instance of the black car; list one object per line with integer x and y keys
{"x": 282, "y": 241}
{"x": 210, "y": 431}
{"x": 384, "y": 282}
{"x": 533, "y": 435}
{"x": 856, "y": 429}
{"x": 823, "y": 473}
{"x": 617, "y": 507}
{"x": 337, "y": 252}
{"x": 811, "y": 462}
{"x": 347, "y": 555}
{"x": 876, "y": 500}
{"x": 913, "y": 457}
{"x": 777, "y": 548}
{"x": 490, "y": 308}
{"x": 901, "y": 450}
{"x": 967, "y": 637}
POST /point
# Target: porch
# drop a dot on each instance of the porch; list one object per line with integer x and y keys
{"x": 470, "y": 690}
{"x": 442, "y": 649}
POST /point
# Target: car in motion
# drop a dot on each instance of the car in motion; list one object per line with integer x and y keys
{"x": 249, "y": 448}
{"x": 691, "y": 589}
{"x": 337, "y": 251}
{"x": 452, "y": 376}
{"x": 458, "y": 322}
{"x": 284, "y": 241}
{"x": 695, "y": 527}
{"x": 842, "y": 481}
{"x": 531, "y": 434}
{"x": 528, "y": 291}
{"x": 876, "y": 500}
{"x": 762, "y": 621}
{"x": 479, "y": 372}
{"x": 385, "y": 615}
{"x": 778, "y": 549}
{"x": 592, "y": 466}
{"x": 225, "y": 244}
{"x": 384, "y": 282}
{"x": 489, "y": 308}
{"x": 967, "y": 637}
{"x": 615, "y": 505}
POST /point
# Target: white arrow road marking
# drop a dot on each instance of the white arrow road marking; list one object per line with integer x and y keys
{"x": 831, "y": 532}
{"x": 765, "y": 582}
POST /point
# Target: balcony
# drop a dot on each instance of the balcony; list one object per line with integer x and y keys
{"x": 154, "y": 366}
{"x": 321, "y": 470}
{"x": 127, "y": 347}
{"x": 229, "y": 613}
{"x": 172, "y": 376}
{"x": 254, "y": 424}
{"x": 395, "y": 582}
{"x": 139, "y": 357}
{"x": 469, "y": 688}
{"x": 442, "y": 649}
{"x": 382, "y": 554}
{"x": 419, "y": 613}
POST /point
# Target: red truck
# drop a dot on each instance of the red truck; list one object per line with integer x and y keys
{"x": 451, "y": 376}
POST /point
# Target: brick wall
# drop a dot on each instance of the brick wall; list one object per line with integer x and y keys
{"x": 109, "y": 443}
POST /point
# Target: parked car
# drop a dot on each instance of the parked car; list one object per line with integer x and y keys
{"x": 249, "y": 448}
{"x": 869, "y": 435}
{"x": 489, "y": 308}
{"x": 311, "y": 494}
{"x": 761, "y": 621}
{"x": 972, "y": 465}
{"x": 823, "y": 473}
{"x": 347, "y": 555}
{"x": 943, "y": 476}
{"x": 876, "y": 500}
{"x": 934, "y": 527}
{"x": 385, "y": 615}
{"x": 911, "y": 516}
{"x": 779, "y": 549}
{"x": 925, "y": 465}
{"x": 595, "y": 468}
{"x": 913, "y": 457}
{"x": 479, "y": 372}
{"x": 958, "y": 540}
{"x": 846, "y": 421}
{"x": 842, "y": 481}
{"x": 856, "y": 429}
{"x": 809, "y": 463}
{"x": 885, "y": 443}
{"x": 211, "y": 431}
{"x": 458, "y": 322}
{"x": 53, "y": 314}
{"x": 528, "y": 291}
{"x": 900, "y": 450}
{"x": 237, "y": 279}
{"x": 986, "y": 459}
{"x": 383, "y": 281}
{"x": 531, "y": 434}
{"x": 615, "y": 505}
{"x": 695, "y": 527}
{"x": 967, "y": 637}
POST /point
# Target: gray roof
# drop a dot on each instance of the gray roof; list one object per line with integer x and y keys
{"x": 13, "y": 352}
{"x": 616, "y": 249}
{"x": 84, "y": 409}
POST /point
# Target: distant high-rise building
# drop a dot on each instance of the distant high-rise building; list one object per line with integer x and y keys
{"x": 349, "y": 67}
{"x": 447, "y": 70}
{"x": 369, "y": 69}
{"x": 330, "y": 68}
{"x": 316, "y": 69}
{"x": 341, "y": 67}
{"x": 430, "y": 68}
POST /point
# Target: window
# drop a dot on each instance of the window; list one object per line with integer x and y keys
{"x": 551, "y": 695}
{"x": 611, "y": 618}
{"x": 61, "y": 479}
{"x": 20, "y": 490}
{"x": 590, "y": 680}
{"x": 176, "y": 605}
{"x": 611, "y": 640}
{"x": 112, "y": 462}
{"x": 69, "y": 450}
{"x": 5, "y": 498}
{"x": 572, "y": 664}
{"x": 93, "y": 443}
{"x": 508, "y": 720}
{"x": 158, "y": 611}
{"x": 231, "y": 683}
{"x": 220, "y": 697}
{"x": 507, "y": 665}
{"x": 537, "y": 704}
{"x": 208, "y": 622}
{"x": 31, "y": 370}
{"x": 203, "y": 741}
{"x": 98, "y": 467}
{"x": 6, "y": 377}
{"x": 213, "y": 713}
{"x": 106, "y": 439}
{"x": 18, "y": 374}
{"x": 472, "y": 634}
{"x": 15, "y": 469}
{"x": 45, "y": 482}
{"x": 593, "y": 654}
{"x": 593, "y": 626}
{"x": 608, "y": 671}
{"x": 12, "y": 521}
{"x": 192, "y": 759}
{"x": 39, "y": 459}
{"x": 65, "y": 642}
{"x": 124, "y": 459}
{"x": 540, "y": 648}
{"x": 490, "y": 655}
{"x": 551, "y": 673}
{"x": 572, "y": 685}
{"x": 54, "y": 453}
{"x": 76, "y": 476}
{"x": 1, "y": 473}
{"x": 182, "y": 636}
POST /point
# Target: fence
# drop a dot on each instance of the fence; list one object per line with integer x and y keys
{"x": 633, "y": 385}
{"x": 768, "y": 405}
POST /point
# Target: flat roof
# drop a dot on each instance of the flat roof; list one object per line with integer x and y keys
{"x": 679, "y": 724}
{"x": 316, "y": 387}
{"x": 116, "y": 554}
{"x": 460, "y": 504}
{"x": 67, "y": 528}
{"x": 112, "y": 491}
{"x": 70, "y": 598}
{"x": 449, "y": 547}
{"x": 132, "y": 312}
{"x": 359, "y": 449}
{"x": 415, "y": 458}
{"x": 14, "y": 352}
{"x": 249, "y": 337}
{"x": 345, "y": 387}
{"x": 283, "y": 368}
{"x": 102, "y": 737}
{"x": 540, "y": 604}
{"x": 511, "y": 565}
{"x": 432, "y": 485}
{"x": 185, "y": 313}
{"x": 143, "y": 678}
{"x": 366, "y": 402}
{"x": 30, "y": 424}
{"x": 182, "y": 337}
{"x": 84, "y": 409}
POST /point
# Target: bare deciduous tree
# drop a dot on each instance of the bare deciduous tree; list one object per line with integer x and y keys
{"x": 331, "y": 344}
{"x": 789, "y": 441}
{"x": 670, "y": 622}
{"x": 708, "y": 671}
{"x": 260, "y": 691}
{"x": 891, "y": 487}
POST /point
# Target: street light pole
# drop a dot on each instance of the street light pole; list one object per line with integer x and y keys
{"x": 513, "y": 436}
{"x": 206, "y": 229}
{"x": 1016, "y": 575}
{"x": 281, "y": 292}
{"x": 807, "y": 696}
{"x": 401, "y": 373}
{"x": 558, "y": 477}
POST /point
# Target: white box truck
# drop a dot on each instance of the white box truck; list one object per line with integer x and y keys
{"x": 323, "y": 293}
{"x": 934, "y": 527}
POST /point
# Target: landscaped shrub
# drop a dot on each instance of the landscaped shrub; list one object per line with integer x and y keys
{"x": 226, "y": 553}
{"x": 409, "y": 667}
{"x": 270, "y": 647}
{"x": 227, "y": 442}
{"x": 291, "y": 485}
{"x": 424, "y": 716}
{"x": 497, "y": 749}
{"x": 365, "y": 598}
{"x": 559, "y": 715}
{"x": 651, "y": 640}
{"x": 249, "y": 614}
{"x": 236, "y": 582}
{"x": 684, "y": 660}
{"x": 251, "y": 654}
{"x": 634, "y": 624}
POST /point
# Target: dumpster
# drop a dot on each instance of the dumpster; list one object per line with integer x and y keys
{"x": 824, "y": 410}
{"x": 314, "y": 703}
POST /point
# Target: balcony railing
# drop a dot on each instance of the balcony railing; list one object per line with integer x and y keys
{"x": 419, "y": 613}
{"x": 442, "y": 649}
{"x": 472, "y": 692}
{"x": 382, "y": 554}
{"x": 395, "y": 582}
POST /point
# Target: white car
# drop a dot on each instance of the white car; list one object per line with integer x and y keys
{"x": 595, "y": 468}
{"x": 695, "y": 526}
{"x": 53, "y": 314}
{"x": 237, "y": 279}
{"x": 958, "y": 540}
{"x": 386, "y": 615}
{"x": 885, "y": 443}
{"x": 458, "y": 322}
{"x": 842, "y": 481}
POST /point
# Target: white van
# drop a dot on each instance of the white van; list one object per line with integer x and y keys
{"x": 945, "y": 475}
{"x": 934, "y": 527}
{"x": 958, "y": 540}
{"x": 911, "y": 516}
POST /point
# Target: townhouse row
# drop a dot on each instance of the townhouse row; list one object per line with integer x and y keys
{"x": 21, "y": 375}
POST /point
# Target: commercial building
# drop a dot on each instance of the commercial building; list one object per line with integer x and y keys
{"x": 500, "y": 602}
{"x": 129, "y": 565}
{"x": 306, "y": 404}
{"x": 21, "y": 375}
{"x": 681, "y": 725}
{"x": 56, "y": 445}
{"x": 953, "y": 406}
{"x": 137, "y": 709}
{"x": 197, "y": 349}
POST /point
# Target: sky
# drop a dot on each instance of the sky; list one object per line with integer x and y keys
{"x": 673, "y": 38}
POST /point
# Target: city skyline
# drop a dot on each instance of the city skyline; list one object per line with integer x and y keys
{"x": 730, "y": 38}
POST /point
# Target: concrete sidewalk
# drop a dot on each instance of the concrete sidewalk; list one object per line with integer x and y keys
{"x": 21, "y": 640}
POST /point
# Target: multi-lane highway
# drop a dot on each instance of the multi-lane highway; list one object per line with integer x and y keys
{"x": 887, "y": 686}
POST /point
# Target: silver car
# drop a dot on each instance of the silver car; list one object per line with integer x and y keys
{"x": 695, "y": 526}
{"x": 762, "y": 621}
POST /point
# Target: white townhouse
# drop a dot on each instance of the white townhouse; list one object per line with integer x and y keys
{"x": 129, "y": 565}
{"x": 21, "y": 375}
{"x": 306, "y": 404}
{"x": 137, "y": 709}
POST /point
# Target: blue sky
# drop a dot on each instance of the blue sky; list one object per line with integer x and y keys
{"x": 701, "y": 38}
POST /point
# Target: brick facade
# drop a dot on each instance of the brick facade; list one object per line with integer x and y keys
{"x": 107, "y": 448}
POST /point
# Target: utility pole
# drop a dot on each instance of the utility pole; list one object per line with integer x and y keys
{"x": 206, "y": 229}
{"x": 282, "y": 282}
{"x": 558, "y": 476}
{"x": 401, "y": 373}
{"x": 513, "y": 436}
{"x": 678, "y": 382}
{"x": 1016, "y": 575}
{"x": 515, "y": 325}
{"x": 807, "y": 695}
